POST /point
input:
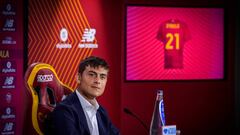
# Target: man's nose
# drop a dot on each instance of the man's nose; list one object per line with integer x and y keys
{"x": 97, "y": 79}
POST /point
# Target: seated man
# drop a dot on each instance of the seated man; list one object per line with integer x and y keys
{"x": 80, "y": 113}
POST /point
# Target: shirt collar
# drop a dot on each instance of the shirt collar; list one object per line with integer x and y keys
{"x": 87, "y": 106}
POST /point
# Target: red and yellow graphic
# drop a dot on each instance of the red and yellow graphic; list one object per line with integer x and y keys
{"x": 45, "y": 25}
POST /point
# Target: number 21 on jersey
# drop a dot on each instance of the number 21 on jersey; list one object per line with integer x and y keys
{"x": 170, "y": 41}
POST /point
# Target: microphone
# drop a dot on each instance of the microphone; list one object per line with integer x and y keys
{"x": 127, "y": 111}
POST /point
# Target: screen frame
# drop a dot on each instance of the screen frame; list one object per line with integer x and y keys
{"x": 225, "y": 41}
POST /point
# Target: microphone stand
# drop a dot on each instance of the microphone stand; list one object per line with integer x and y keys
{"x": 127, "y": 111}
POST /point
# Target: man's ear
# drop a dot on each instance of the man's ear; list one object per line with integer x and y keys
{"x": 78, "y": 77}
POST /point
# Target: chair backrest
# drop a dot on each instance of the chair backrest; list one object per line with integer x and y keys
{"x": 43, "y": 91}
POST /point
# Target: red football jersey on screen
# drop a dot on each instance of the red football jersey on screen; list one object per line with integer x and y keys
{"x": 173, "y": 34}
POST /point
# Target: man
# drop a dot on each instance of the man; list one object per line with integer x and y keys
{"x": 80, "y": 113}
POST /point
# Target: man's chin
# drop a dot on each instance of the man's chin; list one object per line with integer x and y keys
{"x": 97, "y": 94}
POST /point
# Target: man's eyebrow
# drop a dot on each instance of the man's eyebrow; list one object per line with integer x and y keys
{"x": 90, "y": 71}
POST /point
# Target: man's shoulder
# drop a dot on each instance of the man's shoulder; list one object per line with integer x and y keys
{"x": 69, "y": 102}
{"x": 70, "y": 99}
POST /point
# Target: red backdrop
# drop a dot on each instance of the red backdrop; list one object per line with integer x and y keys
{"x": 196, "y": 107}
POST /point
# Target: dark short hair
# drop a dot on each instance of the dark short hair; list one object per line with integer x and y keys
{"x": 94, "y": 62}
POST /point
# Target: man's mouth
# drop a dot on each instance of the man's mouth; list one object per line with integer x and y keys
{"x": 95, "y": 87}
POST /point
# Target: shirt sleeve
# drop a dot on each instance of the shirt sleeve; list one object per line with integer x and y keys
{"x": 187, "y": 34}
{"x": 160, "y": 35}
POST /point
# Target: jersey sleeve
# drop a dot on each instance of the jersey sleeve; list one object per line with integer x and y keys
{"x": 160, "y": 35}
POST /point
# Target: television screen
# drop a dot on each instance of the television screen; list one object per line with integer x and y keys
{"x": 174, "y": 43}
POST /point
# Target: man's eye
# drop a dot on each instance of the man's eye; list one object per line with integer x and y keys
{"x": 91, "y": 74}
{"x": 103, "y": 77}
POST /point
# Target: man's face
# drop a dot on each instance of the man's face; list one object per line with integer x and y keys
{"x": 92, "y": 82}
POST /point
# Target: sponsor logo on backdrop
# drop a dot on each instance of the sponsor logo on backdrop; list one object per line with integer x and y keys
{"x": 64, "y": 34}
{"x": 63, "y": 38}
{"x": 9, "y": 25}
{"x": 8, "y": 97}
{"x": 7, "y": 128}
{"x": 8, "y": 10}
{"x": 88, "y": 39}
{"x": 45, "y": 78}
{"x": 8, "y": 113}
{"x": 8, "y": 82}
{"x": 9, "y": 67}
{"x": 4, "y": 54}
{"x": 8, "y": 41}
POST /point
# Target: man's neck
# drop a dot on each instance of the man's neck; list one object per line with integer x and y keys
{"x": 91, "y": 100}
